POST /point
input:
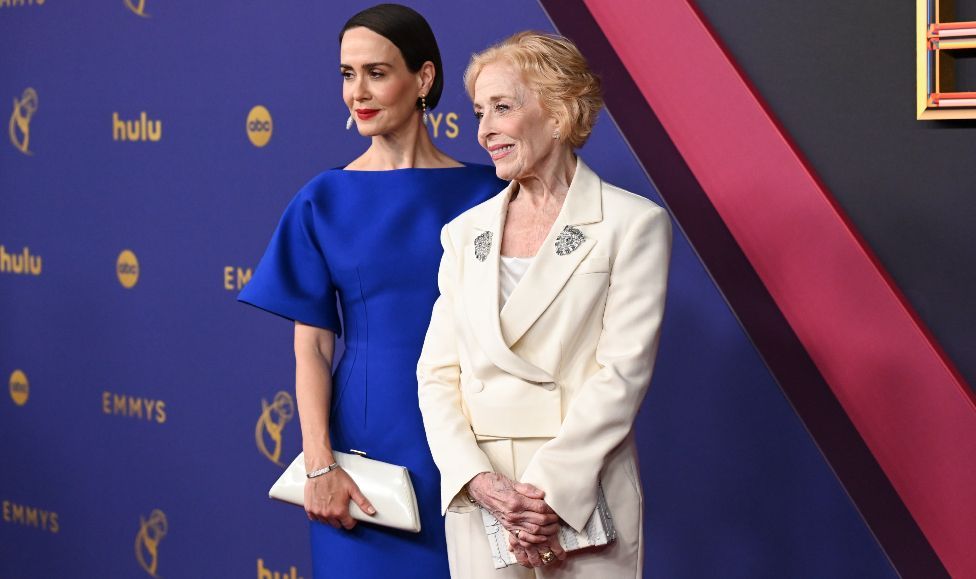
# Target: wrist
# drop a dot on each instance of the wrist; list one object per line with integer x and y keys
{"x": 322, "y": 471}
{"x": 470, "y": 489}
{"x": 318, "y": 452}
{"x": 317, "y": 459}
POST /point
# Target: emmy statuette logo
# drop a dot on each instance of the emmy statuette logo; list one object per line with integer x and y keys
{"x": 151, "y": 532}
{"x": 20, "y": 119}
{"x": 272, "y": 421}
{"x": 19, "y": 387}
{"x": 127, "y": 269}
{"x": 259, "y": 126}
{"x": 137, "y": 7}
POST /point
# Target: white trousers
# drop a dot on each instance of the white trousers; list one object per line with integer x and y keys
{"x": 467, "y": 544}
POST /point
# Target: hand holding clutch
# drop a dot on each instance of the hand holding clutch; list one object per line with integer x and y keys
{"x": 537, "y": 555}
{"x": 599, "y": 530}
{"x": 385, "y": 486}
{"x": 328, "y": 498}
{"x": 518, "y": 506}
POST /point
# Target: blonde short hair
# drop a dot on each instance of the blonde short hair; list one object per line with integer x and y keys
{"x": 554, "y": 68}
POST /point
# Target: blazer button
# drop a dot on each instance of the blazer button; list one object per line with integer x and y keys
{"x": 550, "y": 386}
{"x": 476, "y": 386}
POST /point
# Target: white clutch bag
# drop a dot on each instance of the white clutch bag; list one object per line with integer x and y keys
{"x": 387, "y": 486}
{"x": 598, "y": 531}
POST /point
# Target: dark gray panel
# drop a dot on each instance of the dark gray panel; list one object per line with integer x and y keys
{"x": 840, "y": 77}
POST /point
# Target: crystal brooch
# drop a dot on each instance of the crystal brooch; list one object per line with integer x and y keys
{"x": 482, "y": 245}
{"x": 569, "y": 239}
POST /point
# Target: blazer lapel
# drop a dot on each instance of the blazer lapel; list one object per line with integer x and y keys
{"x": 550, "y": 271}
{"x": 481, "y": 295}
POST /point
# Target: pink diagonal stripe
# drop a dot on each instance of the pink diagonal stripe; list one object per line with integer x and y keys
{"x": 913, "y": 410}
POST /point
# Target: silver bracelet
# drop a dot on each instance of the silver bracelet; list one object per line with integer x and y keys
{"x": 323, "y": 471}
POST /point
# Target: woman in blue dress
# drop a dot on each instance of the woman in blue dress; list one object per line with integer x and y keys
{"x": 369, "y": 233}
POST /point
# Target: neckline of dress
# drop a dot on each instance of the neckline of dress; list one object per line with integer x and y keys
{"x": 463, "y": 165}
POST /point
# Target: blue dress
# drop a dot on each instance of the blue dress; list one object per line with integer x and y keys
{"x": 373, "y": 239}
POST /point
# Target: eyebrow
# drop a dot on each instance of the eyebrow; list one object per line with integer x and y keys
{"x": 495, "y": 99}
{"x": 367, "y": 65}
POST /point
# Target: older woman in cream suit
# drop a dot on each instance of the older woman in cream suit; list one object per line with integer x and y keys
{"x": 542, "y": 343}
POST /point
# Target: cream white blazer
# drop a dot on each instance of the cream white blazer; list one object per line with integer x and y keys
{"x": 568, "y": 358}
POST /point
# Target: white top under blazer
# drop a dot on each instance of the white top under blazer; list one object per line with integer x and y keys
{"x": 512, "y": 270}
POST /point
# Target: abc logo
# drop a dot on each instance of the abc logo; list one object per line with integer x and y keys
{"x": 259, "y": 126}
{"x": 19, "y": 388}
{"x": 127, "y": 269}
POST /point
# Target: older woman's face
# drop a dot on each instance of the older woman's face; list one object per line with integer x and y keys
{"x": 377, "y": 86}
{"x": 513, "y": 127}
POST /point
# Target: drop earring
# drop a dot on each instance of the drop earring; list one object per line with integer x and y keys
{"x": 349, "y": 122}
{"x": 555, "y": 134}
{"x": 423, "y": 107}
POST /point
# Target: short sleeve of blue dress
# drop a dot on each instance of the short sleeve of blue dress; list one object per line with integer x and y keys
{"x": 293, "y": 280}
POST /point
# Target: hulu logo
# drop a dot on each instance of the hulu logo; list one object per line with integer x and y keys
{"x": 22, "y": 263}
{"x": 265, "y": 573}
{"x": 141, "y": 129}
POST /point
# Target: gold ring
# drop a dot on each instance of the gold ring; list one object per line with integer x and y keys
{"x": 548, "y": 557}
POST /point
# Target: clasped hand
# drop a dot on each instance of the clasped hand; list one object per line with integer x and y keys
{"x": 532, "y": 524}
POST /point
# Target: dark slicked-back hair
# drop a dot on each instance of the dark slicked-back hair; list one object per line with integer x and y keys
{"x": 409, "y": 32}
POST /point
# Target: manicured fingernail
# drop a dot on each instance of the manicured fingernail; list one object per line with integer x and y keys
{"x": 372, "y": 511}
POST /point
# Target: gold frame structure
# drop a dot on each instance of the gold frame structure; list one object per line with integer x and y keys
{"x": 939, "y": 39}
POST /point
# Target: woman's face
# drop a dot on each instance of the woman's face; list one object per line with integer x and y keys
{"x": 377, "y": 86}
{"x": 513, "y": 127}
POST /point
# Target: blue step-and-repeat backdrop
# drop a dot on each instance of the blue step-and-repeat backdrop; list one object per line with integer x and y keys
{"x": 150, "y": 149}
